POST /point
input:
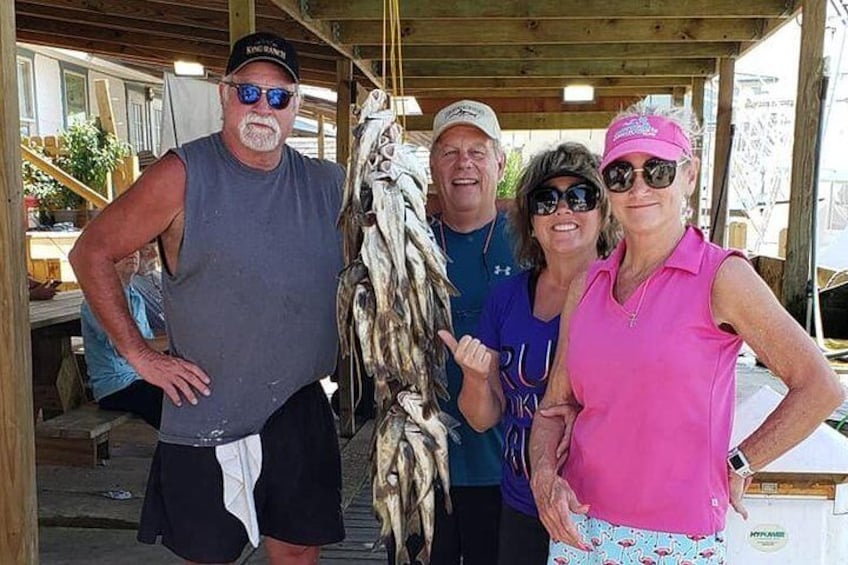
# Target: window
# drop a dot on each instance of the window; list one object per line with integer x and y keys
{"x": 137, "y": 129}
{"x": 26, "y": 96}
{"x": 156, "y": 123}
{"x": 75, "y": 92}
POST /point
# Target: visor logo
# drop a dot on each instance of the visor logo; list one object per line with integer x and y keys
{"x": 639, "y": 126}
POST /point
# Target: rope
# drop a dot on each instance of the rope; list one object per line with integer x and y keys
{"x": 391, "y": 20}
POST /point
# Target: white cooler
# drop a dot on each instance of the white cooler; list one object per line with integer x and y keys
{"x": 797, "y": 505}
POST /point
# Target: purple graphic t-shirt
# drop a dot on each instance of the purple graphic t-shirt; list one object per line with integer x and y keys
{"x": 527, "y": 346}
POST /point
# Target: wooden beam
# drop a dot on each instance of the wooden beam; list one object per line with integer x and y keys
{"x": 147, "y": 13}
{"x": 804, "y": 156}
{"x": 602, "y": 92}
{"x": 530, "y": 104}
{"x": 554, "y": 9}
{"x": 215, "y": 61}
{"x": 104, "y": 106}
{"x": 538, "y": 120}
{"x": 456, "y": 32}
{"x": 698, "y": 84}
{"x": 97, "y": 39}
{"x": 344, "y": 107}
{"x": 153, "y": 50}
{"x": 721, "y": 163}
{"x": 67, "y": 180}
{"x": 263, "y": 9}
{"x": 117, "y": 23}
{"x": 18, "y": 508}
{"x": 328, "y": 34}
{"x": 452, "y": 83}
{"x": 677, "y": 49}
{"x": 107, "y": 122}
{"x": 602, "y": 68}
{"x": 242, "y": 19}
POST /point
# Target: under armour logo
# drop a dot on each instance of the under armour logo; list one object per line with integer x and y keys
{"x": 505, "y": 271}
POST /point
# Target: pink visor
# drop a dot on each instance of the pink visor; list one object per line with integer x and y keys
{"x": 655, "y": 135}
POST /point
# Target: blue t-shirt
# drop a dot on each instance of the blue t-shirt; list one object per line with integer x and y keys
{"x": 527, "y": 346}
{"x": 477, "y": 460}
{"x": 150, "y": 287}
{"x": 108, "y": 372}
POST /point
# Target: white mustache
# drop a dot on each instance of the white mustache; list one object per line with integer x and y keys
{"x": 253, "y": 118}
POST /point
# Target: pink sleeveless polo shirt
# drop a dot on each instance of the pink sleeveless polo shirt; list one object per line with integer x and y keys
{"x": 649, "y": 447}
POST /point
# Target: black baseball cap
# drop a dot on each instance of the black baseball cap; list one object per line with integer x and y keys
{"x": 264, "y": 46}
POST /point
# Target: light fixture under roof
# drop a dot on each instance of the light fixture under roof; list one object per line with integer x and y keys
{"x": 189, "y": 69}
{"x": 578, "y": 93}
{"x": 406, "y": 106}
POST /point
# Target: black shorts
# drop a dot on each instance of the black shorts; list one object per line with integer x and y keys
{"x": 298, "y": 493}
{"x": 469, "y": 536}
{"x": 523, "y": 539}
{"x": 141, "y": 398}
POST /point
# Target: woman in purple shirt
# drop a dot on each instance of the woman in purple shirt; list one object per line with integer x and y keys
{"x": 561, "y": 224}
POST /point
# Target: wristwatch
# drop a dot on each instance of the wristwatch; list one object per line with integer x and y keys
{"x": 738, "y": 463}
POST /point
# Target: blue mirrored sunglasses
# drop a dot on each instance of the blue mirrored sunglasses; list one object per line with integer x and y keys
{"x": 249, "y": 94}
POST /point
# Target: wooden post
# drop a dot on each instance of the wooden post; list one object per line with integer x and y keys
{"x": 678, "y": 95}
{"x": 718, "y": 209}
{"x": 738, "y": 236}
{"x": 242, "y": 19}
{"x": 104, "y": 106}
{"x": 781, "y": 247}
{"x": 798, "y": 240}
{"x": 18, "y": 516}
{"x": 344, "y": 78}
{"x": 321, "y": 135}
{"x": 126, "y": 174}
{"x": 698, "y": 109}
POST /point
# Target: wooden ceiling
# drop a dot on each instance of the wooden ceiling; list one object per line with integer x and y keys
{"x": 516, "y": 55}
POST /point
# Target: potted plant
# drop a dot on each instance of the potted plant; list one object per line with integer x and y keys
{"x": 45, "y": 192}
{"x": 88, "y": 154}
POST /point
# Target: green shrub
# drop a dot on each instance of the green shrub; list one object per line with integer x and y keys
{"x": 50, "y": 193}
{"x": 512, "y": 170}
{"x": 88, "y": 154}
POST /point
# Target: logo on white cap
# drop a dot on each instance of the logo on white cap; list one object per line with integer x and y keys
{"x": 462, "y": 112}
{"x": 469, "y": 112}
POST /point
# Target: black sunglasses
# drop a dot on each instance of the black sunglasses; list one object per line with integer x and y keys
{"x": 249, "y": 94}
{"x": 619, "y": 176}
{"x": 579, "y": 197}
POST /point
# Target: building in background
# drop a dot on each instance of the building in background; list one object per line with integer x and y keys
{"x": 57, "y": 87}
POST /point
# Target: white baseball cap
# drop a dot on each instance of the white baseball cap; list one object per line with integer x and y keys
{"x": 467, "y": 112}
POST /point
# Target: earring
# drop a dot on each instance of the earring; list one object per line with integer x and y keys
{"x": 687, "y": 212}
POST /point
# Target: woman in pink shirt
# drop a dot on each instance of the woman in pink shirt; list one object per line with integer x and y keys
{"x": 644, "y": 381}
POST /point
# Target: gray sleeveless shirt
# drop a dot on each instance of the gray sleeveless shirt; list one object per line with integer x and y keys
{"x": 252, "y": 301}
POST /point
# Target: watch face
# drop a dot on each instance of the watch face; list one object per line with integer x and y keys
{"x": 736, "y": 461}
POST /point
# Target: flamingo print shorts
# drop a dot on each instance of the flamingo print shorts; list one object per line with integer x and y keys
{"x": 622, "y": 545}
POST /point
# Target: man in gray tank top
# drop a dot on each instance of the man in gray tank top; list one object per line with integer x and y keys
{"x": 246, "y": 224}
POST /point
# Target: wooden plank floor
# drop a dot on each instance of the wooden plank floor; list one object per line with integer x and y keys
{"x": 362, "y": 545}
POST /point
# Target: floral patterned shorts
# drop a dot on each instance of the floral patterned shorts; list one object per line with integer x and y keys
{"x": 622, "y": 545}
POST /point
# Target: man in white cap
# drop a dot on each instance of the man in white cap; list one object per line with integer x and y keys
{"x": 467, "y": 162}
{"x": 247, "y": 445}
